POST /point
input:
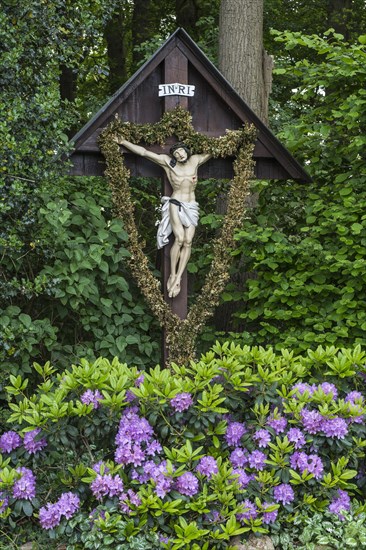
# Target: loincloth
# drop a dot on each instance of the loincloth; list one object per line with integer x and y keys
{"x": 188, "y": 213}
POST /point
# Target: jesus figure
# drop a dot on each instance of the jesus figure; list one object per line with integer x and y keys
{"x": 180, "y": 210}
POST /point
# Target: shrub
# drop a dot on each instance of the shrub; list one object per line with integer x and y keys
{"x": 69, "y": 290}
{"x": 323, "y": 530}
{"x": 241, "y": 440}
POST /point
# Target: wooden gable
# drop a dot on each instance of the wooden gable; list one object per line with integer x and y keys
{"x": 214, "y": 107}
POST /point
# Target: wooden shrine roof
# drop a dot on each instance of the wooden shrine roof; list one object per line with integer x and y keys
{"x": 215, "y": 107}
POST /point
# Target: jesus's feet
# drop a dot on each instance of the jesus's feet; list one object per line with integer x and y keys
{"x": 174, "y": 289}
{"x": 170, "y": 283}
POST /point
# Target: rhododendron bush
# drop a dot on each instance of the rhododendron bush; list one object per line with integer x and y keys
{"x": 244, "y": 440}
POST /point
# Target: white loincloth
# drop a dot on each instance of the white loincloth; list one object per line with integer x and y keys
{"x": 188, "y": 213}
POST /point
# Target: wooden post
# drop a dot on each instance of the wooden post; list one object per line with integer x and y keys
{"x": 175, "y": 70}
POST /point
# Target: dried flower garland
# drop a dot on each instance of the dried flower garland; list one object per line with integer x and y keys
{"x": 181, "y": 334}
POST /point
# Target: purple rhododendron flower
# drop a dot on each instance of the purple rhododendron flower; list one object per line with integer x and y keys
{"x": 25, "y": 486}
{"x": 234, "y": 432}
{"x": 106, "y": 485}
{"x": 262, "y": 437}
{"x": 139, "y": 380}
{"x": 303, "y": 387}
{"x": 243, "y": 478}
{"x": 4, "y": 502}
{"x": 133, "y": 428}
{"x": 49, "y": 516}
{"x": 353, "y": 396}
{"x": 153, "y": 448}
{"x": 130, "y": 396}
{"x": 250, "y": 511}
{"x": 340, "y": 504}
{"x": 277, "y": 424}
{"x": 335, "y": 427}
{"x": 312, "y": 421}
{"x": 68, "y": 503}
{"x": 238, "y": 457}
{"x": 181, "y": 402}
{"x": 311, "y": 463}
{"x": 283, "y": 493}
{"x": 269, "y": 517}
{"x": 158, "y": 473}
{"x": 327, "y": 388}
{"x": 134, "y": 439}
{"x": 187, "y": 484}
{"x": 33, "y": 445}
{"x": 9, "y": 441}
{"x": 128, "y": 498}
{"x": 90, "y": 397}
{"x": 256, "y": 460}
{"x": 295, "y": 436}
{"x": 207, "y": 466}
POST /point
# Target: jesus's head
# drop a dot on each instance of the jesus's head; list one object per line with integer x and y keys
{"x": 180, "y": 153}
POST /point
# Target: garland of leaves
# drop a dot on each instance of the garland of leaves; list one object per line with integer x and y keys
{"x": 181, "y": 334}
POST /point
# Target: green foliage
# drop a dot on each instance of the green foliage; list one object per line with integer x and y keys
{"x": 80, "y": 410}
{"x": 323, "y": 530}
{"x": 79, "y": 302}
{"x": 305, "y": 245}
{"x": 110, "y": 531}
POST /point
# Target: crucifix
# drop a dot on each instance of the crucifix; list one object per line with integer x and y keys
{"x": 179, "y": 74}
{"x": 180, "y": 209}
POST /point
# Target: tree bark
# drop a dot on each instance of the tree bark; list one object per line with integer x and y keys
{"x": 67, "y": 81}
{"x": 242, "y": 59}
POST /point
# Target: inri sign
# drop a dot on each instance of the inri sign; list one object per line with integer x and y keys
{"x": 176, "y": 89}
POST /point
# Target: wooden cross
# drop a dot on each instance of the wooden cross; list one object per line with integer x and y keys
{"x": 214, "y": 107}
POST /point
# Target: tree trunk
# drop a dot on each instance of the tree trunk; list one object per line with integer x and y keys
{"x": 67, "y": 81}
{"x": 242, "y": 59}
{"x": 248, "y": 68}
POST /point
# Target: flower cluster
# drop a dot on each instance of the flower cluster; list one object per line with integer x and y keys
{"x": 90, "y": 397}
{"x": 25, "y": 486}
{"x": 134, "y": 440}
{"x": 311, "y": 463}
{"x": 158, "y": 474}
{"x": 106, "y": 485}
{"x": 207, "y": 466}
{"x": 9, "y": 441}
{"x": 181, "y": 402}
{"x": 234, "y": 433}
{"x": 283, "y": 493}
{"x": 341, "y": 503}
{"x": 32, "y": 443}
{"x": 50, "y": 515}
{"x": 278, "y": 424}
{"x": 187, "y": 484}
